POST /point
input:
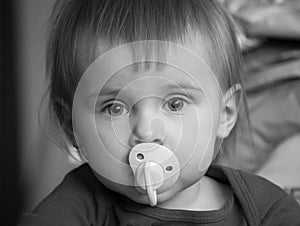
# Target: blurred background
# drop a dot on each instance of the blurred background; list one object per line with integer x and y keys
{"x": 32, "y": 165}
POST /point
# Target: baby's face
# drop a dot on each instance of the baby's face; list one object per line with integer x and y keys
{"x": 176, "y": 106}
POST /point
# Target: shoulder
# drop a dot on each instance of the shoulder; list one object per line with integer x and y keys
{"x": 77, "y": 200}
{"x": 80, "y": 185}
{"x": 262, "y": 201}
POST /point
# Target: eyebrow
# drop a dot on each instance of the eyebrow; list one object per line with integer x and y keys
{"x": 183, "y": 85}
{"x": 110, "y": 91}
{"x": 114, "y": 91}
{"x": 107, "y": 91}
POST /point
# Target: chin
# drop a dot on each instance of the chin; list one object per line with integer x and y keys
{"x": 162, "y": 197}
{"x": 170, "y": 193}
{"x": 136, "y": 196}
{"x": 132, "y": 193}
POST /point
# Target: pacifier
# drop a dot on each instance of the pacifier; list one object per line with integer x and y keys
{"x": 155, "y": 169}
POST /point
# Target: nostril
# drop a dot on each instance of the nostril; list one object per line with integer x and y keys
{"x": 157, "y": 141}
{"x": 169, "y": 168}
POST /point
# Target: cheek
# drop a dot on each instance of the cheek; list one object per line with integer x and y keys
{"x": 196, "y": 144}
{"x": 114, "y": 136}
{"x": 106, "y": 154}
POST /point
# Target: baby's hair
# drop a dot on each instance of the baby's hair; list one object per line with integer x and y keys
{"x": 81, "y": 24}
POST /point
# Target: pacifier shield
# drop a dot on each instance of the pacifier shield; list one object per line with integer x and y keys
{"x": 162, "y": 164}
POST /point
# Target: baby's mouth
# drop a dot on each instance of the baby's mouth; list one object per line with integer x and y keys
{"x": 155, "y": 169}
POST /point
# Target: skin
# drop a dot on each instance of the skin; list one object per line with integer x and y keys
{"x": 183, "y": 112}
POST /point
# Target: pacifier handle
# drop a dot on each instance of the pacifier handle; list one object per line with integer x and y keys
{"x": 151, "y": 192}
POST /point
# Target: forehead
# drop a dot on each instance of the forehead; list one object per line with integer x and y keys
{"x": 140, "y": 66}
{"x": 151, "y": 77}
{"x": 88, "y": 51}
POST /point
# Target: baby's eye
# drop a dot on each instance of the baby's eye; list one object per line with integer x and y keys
{"x": 176, "y": 104}
{"x": 115, "y": 109}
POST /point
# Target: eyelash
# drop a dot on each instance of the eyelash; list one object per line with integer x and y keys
{"x": 106, "y": 108}
{"x": 184, "y": 101}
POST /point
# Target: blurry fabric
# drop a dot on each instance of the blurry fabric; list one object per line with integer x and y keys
{"x": 274, "y": 116}
{"x": 264, "y": 19}
{"x": 268, "y": 18}
{"x": 283, "y": 168}
{"x": 272, "y": 82}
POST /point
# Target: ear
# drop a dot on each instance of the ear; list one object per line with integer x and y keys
{"x": 75, "y": 149}
{"x": 78, "y": 154}
{"x": 67, "y": 123}
{"x": 229, "y": 110}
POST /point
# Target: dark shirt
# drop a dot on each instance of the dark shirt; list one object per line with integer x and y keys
{"x": 82, "y": 200}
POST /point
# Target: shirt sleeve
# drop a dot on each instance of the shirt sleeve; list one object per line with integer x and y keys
{"x": 33, "y": 220}
{"x": 285, "y": 211}
{"x": 80, "y": 200}
{"x": 68, "y": 204}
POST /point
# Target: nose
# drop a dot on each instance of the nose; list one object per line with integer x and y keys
{"x": 146, "y": 127}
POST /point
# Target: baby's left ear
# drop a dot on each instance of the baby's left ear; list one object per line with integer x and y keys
{"x": 229, "y": 110}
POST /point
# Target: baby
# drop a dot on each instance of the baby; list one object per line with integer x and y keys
{"x": 148, "y": 93}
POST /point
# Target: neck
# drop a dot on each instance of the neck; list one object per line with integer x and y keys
{"x": 206, "y": 194}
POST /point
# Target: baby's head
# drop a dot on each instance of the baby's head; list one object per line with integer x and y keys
{"x": 114, "y": 88}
